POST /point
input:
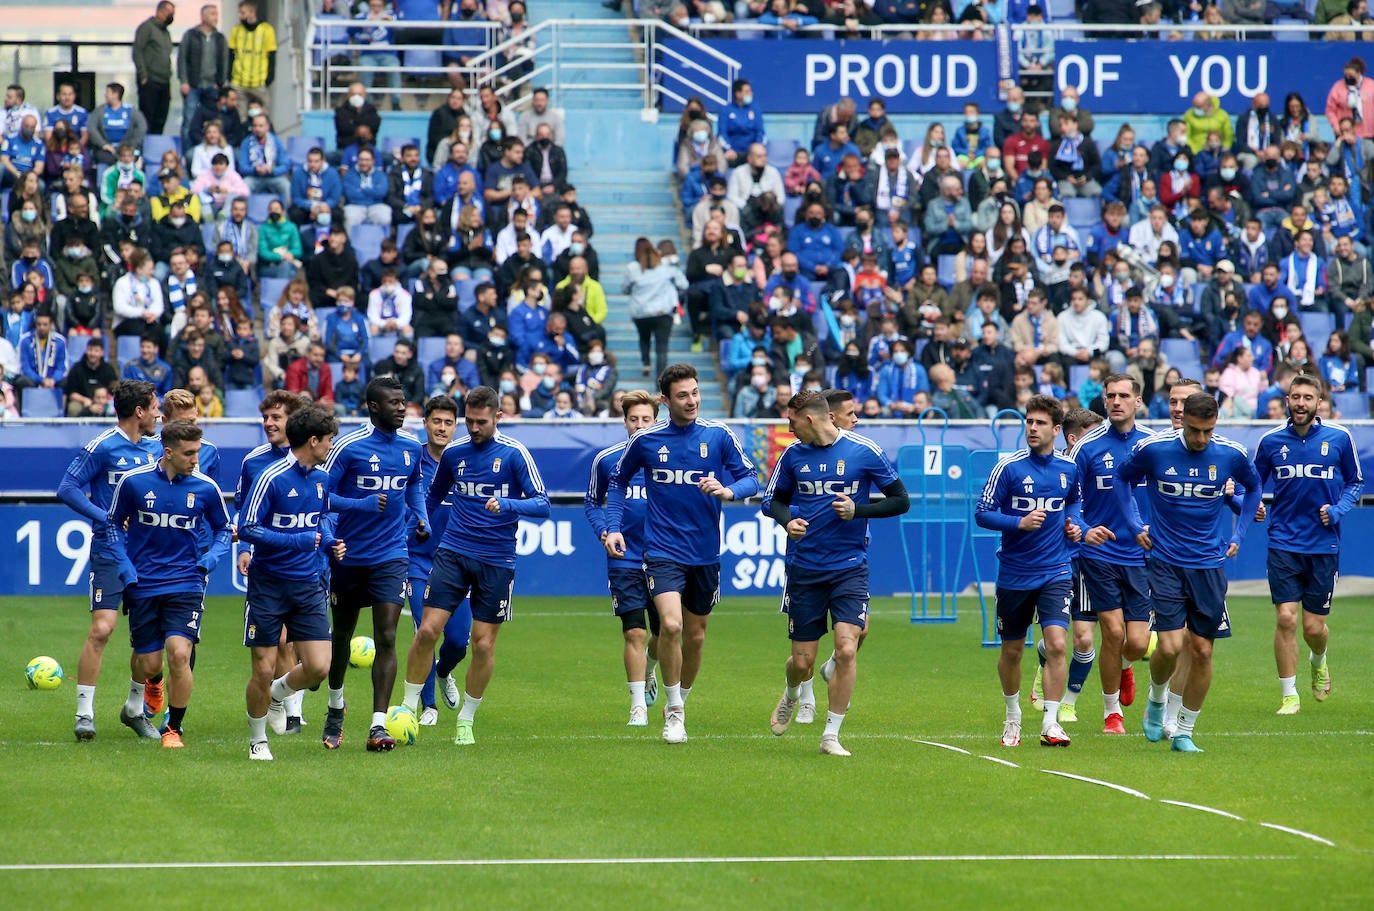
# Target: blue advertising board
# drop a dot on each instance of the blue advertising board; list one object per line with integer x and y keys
{"x": 794, "y": 76}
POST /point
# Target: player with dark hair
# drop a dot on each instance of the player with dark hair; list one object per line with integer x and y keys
{"x": 1112, "y": 564}
{"x": 1185, "y": 473}
{"x": 629, "y": 586}
{"x": 491, "y": 482}
{"x": 441, "y": 418}
{"x": 1317, "y": 481}
{"x": 819, "y": 493}
{"x": 690, "y": 466}
{"x": 276, "y": 409}
{"x": 164, "y": 505}
{"x": 88, "y": 489}
{"x": 287, "y": 519}
{"x": 376, "y": 490}
{"x": 1033, "y": 497}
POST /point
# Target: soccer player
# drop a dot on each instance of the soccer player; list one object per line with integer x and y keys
{"x": 95, "y": 471}
{"x": 276, "y": 408}
{"x": 164, "y": 504}
{"x": 180, "y": 405}
{"x": 376, "y": 483}
{"x": 1033, "y": 497}
{"x": 1112, "y": 564}
{"x": 690, "y": 466}
{"x": 826, "y": 475}
{"x": 492, "y": 482}
{"x": 629, "y": 586}
{"x": 441, "y": 419}
{"x": 287, "y": 520}
{"x": 1188, "y": 538}
{"x": 1317, "y": 480}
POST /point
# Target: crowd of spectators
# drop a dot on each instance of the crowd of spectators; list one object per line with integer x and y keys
{"x": 1029, "y": 255}
{"x": 230, "y": 262}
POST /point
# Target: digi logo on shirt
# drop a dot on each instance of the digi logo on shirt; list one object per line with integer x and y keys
{"x": 291, "y": 521}
{"x": 833, "y": 488}
{"x": 1317, "y": 472}
{"x": 1031, "y": 504}
{"x": 1189, "y": 490}
{"x": 166, "y": 520}
{"x": 689, "y": 476}
{"x": 636, "y": 492}
{"x": 483, "y": 491}
{"x": 381, "y": 482}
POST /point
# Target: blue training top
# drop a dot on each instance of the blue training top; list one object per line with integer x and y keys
{"x": 1097, "y": 454}
{"x": 467, "y": 477}
{"x": 1020, "y": 484}
{"x": 288, "y": 505}
{"x": 97, "y": 468}
{"x": 1309, "y": 471}
{"x": 362, "y": 465}
{"x": 164, "y": 516}
{"x": 422, "y": 553}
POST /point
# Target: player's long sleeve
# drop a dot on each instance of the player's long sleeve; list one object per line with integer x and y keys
{"x": 896, "y": 502}
{"x": 438, "y": 488}
{"x": 745, "y": 478}
{"x": 217, "y": 514}
{"x": 1354, "y": 485}
{"x": 621, "y": 475}
{"x": 1073, "y": 507}
{"x": 594, "y": 503}
{"x": 989, "y": 512}
{"x": 121, "y": 508}
{"x": 72, "y": 491}
{"x": 534, "y": 502}
{"x": 1250, "y": 503}
{"x": 1128, "y": 474}
{"x": 777, "y": 503}
{"x": 417, "y": 494}
{"x": 365, "y": 504}
{"x": 260, "y": 505}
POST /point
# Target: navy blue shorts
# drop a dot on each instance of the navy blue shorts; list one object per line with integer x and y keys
{"x": 271, "y": 603}
{"x": 1110, "y": 586}
{"x": 811, "y": 596}
{"x": 699, "y": 586}
{"x": 456, "y": 576}
{"x": 357, "y": 587}
{"x": 1195, "y": 598}
{"x": 1309, "y": 578}
{"x": 107, "y": 588}
{"x": 1049, "y": 605}
{"x": 1081, "y": 608}
{"x": 153, "y": 619}
{"x": 630, "y": 599}
{"x": 458, "y": 629}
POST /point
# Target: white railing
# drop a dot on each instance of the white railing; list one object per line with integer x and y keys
{"x": 568, "y": 56}
{"x": 1063, "y": 30}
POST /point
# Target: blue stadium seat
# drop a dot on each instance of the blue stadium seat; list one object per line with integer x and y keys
{"x": 467, "y": 293}
{"x": 1289, "y": 35}
{"x": 391, "y": 145}
{"x": 1083, "y": 214}
{"x": 241, "y": 403}
{"x": 423, "y": 62}
{"x": 1352, "y": 406}
{"x": 76, "y": 348}
{"x": 336, "y": 371}
{"x": 402, "y": 232}
{"x": 367, "y": 242}
{"x": 257, "y": 207}
{"x": 1078, "y": 375}
{"x": 1181, "y": 353}
{"x": 269, "y": 291}
{"x": 789, "y": 209}
{"x": 1317, "y": 327}
{"x": 207, "y": 237}
{"x": 379, "y": 346}
{"x": 780, "y": 152}
{"x": 431, "y": 349}
{"x": 42, "y": 403}
{"x": 155, "y": 145}
{"x": 1061, "y": 11}
{"x": 944, "y": 266}
{"x": 323, "y": 314}
{"x": 297, "y": 147}
{"x": 127, "y": 349}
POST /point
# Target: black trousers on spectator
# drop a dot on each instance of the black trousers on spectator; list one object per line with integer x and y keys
{"x": 428, "y": 323}
{"x": 702, "y": 299}
{"x": 659, "y": 328}
{"x": 154, "y": 100}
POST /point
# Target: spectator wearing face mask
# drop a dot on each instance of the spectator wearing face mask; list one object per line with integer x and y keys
{"x": 1352, "y": 96}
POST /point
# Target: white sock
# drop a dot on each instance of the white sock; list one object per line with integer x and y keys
{"x": 1051, "y": 715}
{"x": 674, "y": 696}
{"x": 379, "y": 719}
{"x": 650, "y": 662}
{"x": 808, "y": 693}
{"x": 833, "y": 720}
{"x": 792, "y": 692}
{"x": 1186, "y": 720}
{"x": 1315, "y": 659}
{"x": 281, "y": 689}
{"x": 1289, "y": 685}
{"x": 1172, "y": 708}
{"x": 1159, "y": 692}
{"x": 257, "y": 729}
{"x": 1070, "y": 697}
{"x": 336, "y": 699}
{"x": 685, "y": 691}
{"x": 1111, "y": 703}
{"x": 412, "y": 697}
{"x": 85, "y": 701}
{"x": 1013, "y": 706}
{"x": 293, "y": 704}
{"x": 470, "y": 706}
{"x": 134, "y": 704}
{"x": 1125, "y": 663}
{"x": 637, "y": 694}
{"x": 828, "y": 668}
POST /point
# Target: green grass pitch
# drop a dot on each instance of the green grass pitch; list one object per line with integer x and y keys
{"x": 557, "y": 775}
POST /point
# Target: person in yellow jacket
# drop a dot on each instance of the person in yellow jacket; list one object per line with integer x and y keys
{"x": 1205, "y": 116}
{"x": 593, "y": 295}
{"x": 252, "y": 54}
{"x": 172, "y": 190}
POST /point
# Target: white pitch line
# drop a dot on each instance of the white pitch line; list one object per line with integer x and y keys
{"x": 1298, "y": 832}
{"x": 1000, "y": 761}
{"x": 1097, "y": 781}
{"x": 633, "y": 861}
{"x": 943, "y": 746}
{"x": 1198, "y": 806}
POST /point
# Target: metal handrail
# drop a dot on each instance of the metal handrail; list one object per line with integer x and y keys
{"x": 1136, "y": 31}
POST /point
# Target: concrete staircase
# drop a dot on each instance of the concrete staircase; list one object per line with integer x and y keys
{"x": 622, "y": 169}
